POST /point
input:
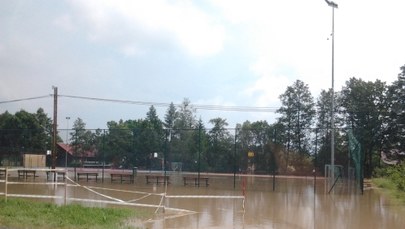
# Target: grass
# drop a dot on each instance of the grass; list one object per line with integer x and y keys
{"x": 18, "y": 213}
{"x": 389, "y": 188}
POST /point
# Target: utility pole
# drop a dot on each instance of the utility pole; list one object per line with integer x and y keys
{"x": 55, "y": 125}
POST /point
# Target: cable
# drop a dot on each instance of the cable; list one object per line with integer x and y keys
{"x": 195, "y": 106}
{"x": 25, "y": 99}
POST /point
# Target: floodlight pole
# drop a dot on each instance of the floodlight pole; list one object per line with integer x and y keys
{"x": 332, "y": 119}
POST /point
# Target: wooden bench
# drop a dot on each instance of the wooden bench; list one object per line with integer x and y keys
{"x": 87, "y": 175}
{"x": 157, "y": 178}
{"x": 25, "y": 173}
{"x": 196, "y": 180}
{"x": 122, "y": 177}
{"x": 2, "y": 172}
{"x": 63, "y": 173}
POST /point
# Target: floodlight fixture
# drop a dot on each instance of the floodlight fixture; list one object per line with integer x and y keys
{"x": 331, "y": 4}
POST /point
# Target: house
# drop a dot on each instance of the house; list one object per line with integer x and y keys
{"x": 65, "y": 150}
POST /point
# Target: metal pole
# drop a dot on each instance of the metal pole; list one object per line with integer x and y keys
{"x": 332, "y": 119}
{"x": 234, "y": 161}
{"x": 199, "y": 154}
{"x": 67, "y": 140}
{"x": 165, "y": 152}
{"x": 103, "y": 168}
{"x": 55, "y": 126}
{"x": 6, "y": 185}
{"x": 316, "y": 157}
{"x": 66, "y": 176}
{"x": 332, "y": 145}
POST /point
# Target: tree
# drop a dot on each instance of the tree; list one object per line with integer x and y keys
{"x": 261, "y": 133}
{"x": 322, "y": 139}
{"x": 182, "y": 135}
{"x": 220, "y": 146}
{"x": 185, "y": 116}
{"x": 45, "y": 124}
{"x": 394, "y": 131}
{"x": 118, "y": 142}
{"x": 364, "y": 106}
{"x": 82, "y": 140}
{"x": 23, "y": 131}
{"x": 198, "y": 147}
{"x": 170, "y": 116}
{"x": 153, "y": 128}
{"x": 297, "y": 116}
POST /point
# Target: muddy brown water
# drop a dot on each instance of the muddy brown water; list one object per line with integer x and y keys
{"x": 293, "y": 203}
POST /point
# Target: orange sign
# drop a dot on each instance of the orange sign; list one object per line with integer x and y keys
{"x": 251, "y": 154}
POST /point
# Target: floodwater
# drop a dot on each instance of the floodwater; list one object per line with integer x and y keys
{"x": 290, "y": 203}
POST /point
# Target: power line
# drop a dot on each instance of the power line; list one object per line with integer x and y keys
{"x": 25, "y": 99}
{"x": 196, "y": 106}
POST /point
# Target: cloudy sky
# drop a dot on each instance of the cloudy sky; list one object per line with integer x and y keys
{"x": 213, "y": 52}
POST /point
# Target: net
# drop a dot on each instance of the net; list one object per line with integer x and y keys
{"x": 355, "y": 155}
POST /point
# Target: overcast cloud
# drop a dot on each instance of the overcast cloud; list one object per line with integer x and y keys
{"x": 231, "y": 52}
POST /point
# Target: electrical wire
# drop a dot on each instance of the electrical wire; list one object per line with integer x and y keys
{"x": 25, "y": 99}
{"x": 195, "y": 106}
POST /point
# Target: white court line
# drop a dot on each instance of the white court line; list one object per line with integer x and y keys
{"x": 160, "y": 204}
{"x": 35, "y": 196}
{"x": 38, "y": 183}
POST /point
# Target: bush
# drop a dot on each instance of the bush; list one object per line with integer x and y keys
{"x": 395, "y": 173}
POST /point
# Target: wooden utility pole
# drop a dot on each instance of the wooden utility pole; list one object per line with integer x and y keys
{"x": 55, "y": 125}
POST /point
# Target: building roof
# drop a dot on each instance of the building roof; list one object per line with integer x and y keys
{"x": 69, "y": 149}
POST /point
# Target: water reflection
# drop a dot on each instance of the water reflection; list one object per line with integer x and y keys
{"x": 294, "y": 203}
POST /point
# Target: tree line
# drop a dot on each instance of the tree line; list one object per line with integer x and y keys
{"x": 299, "y": 139}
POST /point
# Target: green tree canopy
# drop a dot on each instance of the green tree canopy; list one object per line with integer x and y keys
{"x": 297, "y": 116}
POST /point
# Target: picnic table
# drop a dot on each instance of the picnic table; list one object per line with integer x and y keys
{"x": 49, "y": 174}
{"x": 88, "y": 175}
{"x": 196, "y": 180}
{"x": 157, "y": 178}
{"x": 122, "y": 176}
{"x": 25, "y": 173}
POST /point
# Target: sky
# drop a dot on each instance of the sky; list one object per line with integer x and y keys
{"x": 213, "y": 52}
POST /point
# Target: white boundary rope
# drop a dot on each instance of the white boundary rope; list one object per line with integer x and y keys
{"x": 111, "y": 200}
{"x": 97, "y": 193}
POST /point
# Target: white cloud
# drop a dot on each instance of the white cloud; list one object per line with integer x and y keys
{"x": 256, "y": 49}
{"x": 122, "y": 22}
{"x": 288, "y": 41}
{"x": 65, "y": 22}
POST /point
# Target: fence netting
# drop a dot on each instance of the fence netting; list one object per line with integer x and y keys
{"x": 233, "y": 150}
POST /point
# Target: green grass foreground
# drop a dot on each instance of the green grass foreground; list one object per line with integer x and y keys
{"x": 18, "y": 213}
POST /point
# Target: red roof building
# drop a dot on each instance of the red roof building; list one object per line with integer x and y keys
{"x": 65, "y": 150}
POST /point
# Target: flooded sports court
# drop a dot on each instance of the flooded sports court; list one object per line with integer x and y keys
{"x": 218, "y": 201}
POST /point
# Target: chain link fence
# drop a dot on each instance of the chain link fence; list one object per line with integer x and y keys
{"x": 256, "y": 151}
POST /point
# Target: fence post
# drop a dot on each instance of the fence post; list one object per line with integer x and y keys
{"x": 5, "y": 185}
{"x": 66, "y": 176}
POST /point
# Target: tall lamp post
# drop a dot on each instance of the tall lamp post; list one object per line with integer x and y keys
{"x": 332, "y": 119}
{"x": 67, "y": 140}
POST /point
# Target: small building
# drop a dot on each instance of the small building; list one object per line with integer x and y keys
{"x": 65, "y": 150}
